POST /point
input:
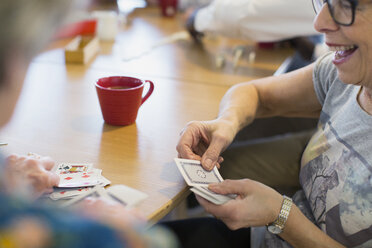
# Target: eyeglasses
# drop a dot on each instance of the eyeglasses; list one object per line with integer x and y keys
{"x": 342, "y": 11}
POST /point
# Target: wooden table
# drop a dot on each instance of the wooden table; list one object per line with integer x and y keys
{"x": 182, "y": 60}
{"x": 59, "y": 115}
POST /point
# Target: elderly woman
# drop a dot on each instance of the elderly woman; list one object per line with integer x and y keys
{"x": 334, "y": 206}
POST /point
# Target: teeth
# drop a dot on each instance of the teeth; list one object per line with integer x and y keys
{"x": 341, "y": 48}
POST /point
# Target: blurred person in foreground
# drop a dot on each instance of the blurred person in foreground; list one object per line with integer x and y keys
{"x": 25, "y": 26}
{"x": 333, "y": 207}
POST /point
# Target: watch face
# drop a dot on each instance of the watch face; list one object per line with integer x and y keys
{"x": 274, "y": 229}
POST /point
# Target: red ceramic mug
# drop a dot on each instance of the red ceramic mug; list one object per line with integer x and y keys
{"x": 168, "y": 7}
{"x": 121, "y": 97}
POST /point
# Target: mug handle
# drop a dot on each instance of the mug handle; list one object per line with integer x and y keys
{"x": 149, "y": 92}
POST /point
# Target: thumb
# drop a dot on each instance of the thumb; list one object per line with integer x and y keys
{"x": 53, "y": 179}
{"x": 212, "y": 154}
{"x": 228, "y": 187}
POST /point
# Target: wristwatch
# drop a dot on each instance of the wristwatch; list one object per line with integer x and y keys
{"x": 278, "y": 225}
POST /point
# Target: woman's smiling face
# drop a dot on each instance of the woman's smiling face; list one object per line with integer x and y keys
{"x": 352, "y": 44}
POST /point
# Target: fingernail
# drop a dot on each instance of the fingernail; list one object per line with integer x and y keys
{"x": 221, "y": 160}
{"x": 208, "y": 163}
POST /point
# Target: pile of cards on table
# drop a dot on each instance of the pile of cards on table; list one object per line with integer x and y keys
{"x": 125, "y": 195}
{"x": 76, "y": 179}
{"x": 199, "y": 178}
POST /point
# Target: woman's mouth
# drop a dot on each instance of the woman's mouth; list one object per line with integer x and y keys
{"x": 342, "y": 53}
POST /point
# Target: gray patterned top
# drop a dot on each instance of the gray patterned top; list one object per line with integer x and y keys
{"x": 336, "y": 167}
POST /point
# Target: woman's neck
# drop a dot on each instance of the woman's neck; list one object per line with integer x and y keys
{"x": 365, "y": 99}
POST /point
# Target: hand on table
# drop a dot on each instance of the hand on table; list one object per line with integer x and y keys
{"x": 204, "y": 141}
{"x": 32, "y": 170}
{"x": 255, "y": 205}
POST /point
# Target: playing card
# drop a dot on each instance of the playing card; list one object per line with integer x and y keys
{"x": 72, "y": 168}
{"x": 76, "y": 179}
{"x": 219, "y": 199}
{"x": 92, "y": 192}
{"x": 64, "y": 193}
{"x": 103, "y": 181}
{"x": 126, "y": 195}
{"x": 205, "y": 196}
{"x": 195, "y": 175}
{"x": 80, "y": 179}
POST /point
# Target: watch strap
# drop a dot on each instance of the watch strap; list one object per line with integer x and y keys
{"x": 284, "y": 213}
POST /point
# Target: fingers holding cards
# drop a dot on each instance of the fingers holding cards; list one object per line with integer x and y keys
{"x": 195, "y": 175}
{"x": 199, "y": 179}
{"x": 211, "y": 196}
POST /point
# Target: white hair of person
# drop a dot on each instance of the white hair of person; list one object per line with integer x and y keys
{"x": 27, "y": 25}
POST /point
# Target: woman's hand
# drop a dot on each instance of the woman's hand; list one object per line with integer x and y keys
{"x": 255, "y": 205}
{"x": 204, "y": 141}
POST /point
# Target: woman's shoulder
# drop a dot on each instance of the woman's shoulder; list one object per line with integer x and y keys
{"x": 326, "y": 80}
{"x": 324, "y": 69}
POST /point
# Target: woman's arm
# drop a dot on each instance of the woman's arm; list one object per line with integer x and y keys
{"x": 300, "y": 232}
{"x": 290, "y": 94}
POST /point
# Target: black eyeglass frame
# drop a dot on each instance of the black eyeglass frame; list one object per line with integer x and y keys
{"x": 354, "y": 4}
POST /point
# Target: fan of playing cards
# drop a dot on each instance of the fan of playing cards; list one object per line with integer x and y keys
{"x": 75, "y": 179}
{"x": 198, "y": 178}
{"x": 78, "y": 181}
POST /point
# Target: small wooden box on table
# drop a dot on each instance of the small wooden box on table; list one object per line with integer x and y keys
{"x": 81, "y": 49}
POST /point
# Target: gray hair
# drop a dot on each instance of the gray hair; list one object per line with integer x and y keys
{"x": 26, "y": 26}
